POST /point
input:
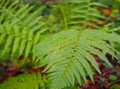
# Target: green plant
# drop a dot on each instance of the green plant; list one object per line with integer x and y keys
{"x": 113, "y": 3}
{"x": 76, "y": 14}
{"x": 20, "y": 29}
{"x": 71, "y": 59}
{"x": 106, "y": 2}
{"x": 68, "y": 56}
{"x": 25, "y": 81}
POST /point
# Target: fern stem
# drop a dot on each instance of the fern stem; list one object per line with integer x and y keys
{"x": 78, "y": 35}
{"x": 64, "y": 18}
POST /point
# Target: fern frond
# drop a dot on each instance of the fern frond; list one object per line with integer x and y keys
{"x": 79, "y": 14}
{"x": 24, "y": 81}
{"x": 85, "y": 15}
{"x": 19, "y": 28}
{"x": 69, "y": 55}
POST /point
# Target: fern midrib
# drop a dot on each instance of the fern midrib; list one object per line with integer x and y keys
{"x": 64, "y": 18}
{"x": 67, "y": 65}
{"x": 87, "y": 14}
{"x": 62, "y": 74}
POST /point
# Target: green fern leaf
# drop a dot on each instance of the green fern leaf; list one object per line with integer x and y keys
{"x": 24, "y": 81}
{"x": 79, "y": 14}
{"x": 18, "y": 28}
{"x": 68, "y": 55}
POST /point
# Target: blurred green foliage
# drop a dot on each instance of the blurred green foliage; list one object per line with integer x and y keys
{"x": 114, "y": 3}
